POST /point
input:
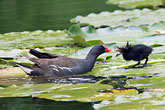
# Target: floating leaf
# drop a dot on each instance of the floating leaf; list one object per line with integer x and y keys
{"x": 146, "y": 100}
{"x": 28, "y": 89}
{"x": 156, "y": 45}
{"x": 21, "y": 40}
{"x": 118, "y": 35}
{"x": 123, "y": 18}
{"x": 80, "y": 37}
{"x": 11, "y": 72}
{"x": 135, "y": 3}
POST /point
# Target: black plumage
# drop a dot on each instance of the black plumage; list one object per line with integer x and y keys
{"x": 47, "y": 64}
{"x": 137, "y": 53}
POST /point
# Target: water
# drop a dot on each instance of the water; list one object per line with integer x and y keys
{"x": 41, "y": 104}
{"x": 29, "y": 15}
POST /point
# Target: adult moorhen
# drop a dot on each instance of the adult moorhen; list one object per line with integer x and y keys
{"x": 48, "y": 65}
{"x": 137, "y": 53}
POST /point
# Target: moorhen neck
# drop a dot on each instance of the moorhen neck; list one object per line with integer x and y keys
{"x": 57, "y": 65}
{"x": 137, "y": 53}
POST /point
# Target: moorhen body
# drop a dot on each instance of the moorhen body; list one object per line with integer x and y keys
{"x": 57, "y": 65}
{"x": 137, "y": 53}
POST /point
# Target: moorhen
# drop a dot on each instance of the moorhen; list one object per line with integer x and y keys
{"x": 48, "y": 65}
{"x": 137, "y": 53}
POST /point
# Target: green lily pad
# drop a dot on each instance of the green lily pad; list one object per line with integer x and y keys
{"x": 62, "y": 92}
{"x": 6, "y": 63}
{"x": 128, "y": 18}
{"x": 21, "y": 40}
{"x": 146, "y": 100}
{"x": 79, "y": 92}
{"x": 11, "y": 72}
{"x": 117, "y": 35}
{"x": 135, "y": 3}
{"x": 155, "y": 82}
{"x": 28, "y": 89}
{"x": 6, "y": 54}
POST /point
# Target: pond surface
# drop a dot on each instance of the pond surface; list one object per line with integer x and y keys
{"x": 29, "y": 15}
{"x": 38, "y": 104}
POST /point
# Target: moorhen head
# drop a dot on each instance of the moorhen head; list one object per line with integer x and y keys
{"x": 49, "y": 65}
{"x": 137, "y": 53}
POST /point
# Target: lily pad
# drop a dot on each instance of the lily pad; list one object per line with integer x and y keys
{"x": 117, "y": 35}
{"x": 135, "y": 3}
{"x": 128, "y": 18}
{"x": 21, "y": 40}
{"x": 11, "y": 54}
{"x": 146, "y": 100}
{"x": 28, "y": 89}
{"x": 11, "y": 72}
{"x": 62, "y": 92}
{"x": 149, "y": 82}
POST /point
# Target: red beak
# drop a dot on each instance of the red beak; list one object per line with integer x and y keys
{"x": 107, "y": 49}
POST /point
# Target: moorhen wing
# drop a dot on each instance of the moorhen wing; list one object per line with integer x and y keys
{"x": 137, "y": 53}
{"x": 48, "y": 65}
{"x": 42, "y": 54}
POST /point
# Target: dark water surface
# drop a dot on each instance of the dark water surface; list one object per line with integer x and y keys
{"x": 29, "y": 15}
{"x": 30, "y": 104}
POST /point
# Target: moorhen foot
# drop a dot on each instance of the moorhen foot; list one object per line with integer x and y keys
{"x": 57, "y": 65}
{"x": 137, "y": 53}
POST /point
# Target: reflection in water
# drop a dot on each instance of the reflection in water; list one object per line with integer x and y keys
{"x": 41, "y": 104}
{"x": 29, "y": 15}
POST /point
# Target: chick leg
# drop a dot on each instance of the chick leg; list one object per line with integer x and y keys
{"x": 133, "y": 66}
{"x": 145, "y": 62}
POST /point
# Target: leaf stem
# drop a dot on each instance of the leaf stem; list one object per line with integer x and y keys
{"x": 150, "y": 62}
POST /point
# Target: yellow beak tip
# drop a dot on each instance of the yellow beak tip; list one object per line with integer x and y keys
{"x": 111, "y": 52}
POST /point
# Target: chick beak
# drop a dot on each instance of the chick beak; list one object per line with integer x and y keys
{"x": 118, "y": 50}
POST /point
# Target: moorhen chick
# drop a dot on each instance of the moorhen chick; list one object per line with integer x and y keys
{"x": 48, "y": 65}
{"x": 137, "y": 53}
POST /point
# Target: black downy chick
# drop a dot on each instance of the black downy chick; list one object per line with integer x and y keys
{"x": 137, "y": 53}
